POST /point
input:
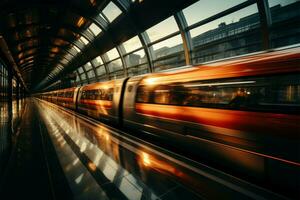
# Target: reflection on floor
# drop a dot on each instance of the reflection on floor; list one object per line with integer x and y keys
{"x": 10, "y": 116}
{"x": 115, "y": 169}
{"x": 103, "y": 163}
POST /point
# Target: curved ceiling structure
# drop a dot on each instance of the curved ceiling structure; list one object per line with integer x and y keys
{"x": 95, "y": 40}
{"x": 43, "y": 36}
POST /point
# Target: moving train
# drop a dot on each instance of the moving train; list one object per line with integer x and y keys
{"x": 240, "y": 113}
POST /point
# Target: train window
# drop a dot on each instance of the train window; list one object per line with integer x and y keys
{"x": 98, "y": 94}
{"x": 280, "y": 94}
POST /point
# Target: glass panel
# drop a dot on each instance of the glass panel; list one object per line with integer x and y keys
{"x": 69, "y": 56}
{"x": 285, "y": 27}
{"x": 117, "y": 74}
{"x": 76, "y": 48}
{"x": 115, "y": 65}
{"x": 235, "y": 34}
{"x": 135, "y": 58}
{"x": 167, "y": 47}
{"x": 111, "y": 11}
{"x": 84, "y": 40}
{"x": 141, "y": 69}
{"x": 100, "y": 70}
{"x": 88, "y": 66}
{"x": 80, "y": 70}
{"x": 64, "y": 61}
{"x": 162, "y": 29}
{"x": 206, "y": 8}
{"x": 173, "y": 61}
{"x": 91, "y": 74}
{"x": 132, "y": 44}
{"x": 112, "y": 54}
{"x": 97, "y": 61}
{"x": 83, "y": 76}
{"x": 95, "y": 29}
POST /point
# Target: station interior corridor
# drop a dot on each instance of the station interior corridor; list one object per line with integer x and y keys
{"x": 149, "y": 99}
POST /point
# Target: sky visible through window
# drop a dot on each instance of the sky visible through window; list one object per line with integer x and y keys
{"x": 202, "y": 10}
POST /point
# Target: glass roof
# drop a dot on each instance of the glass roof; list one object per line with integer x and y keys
{"x": 112, "y": 54}
{"x": 95, "y": 29}
{"x": 162, "y": 29}
{"x": 111, "y": 11}
{"x": 206, "y": 8}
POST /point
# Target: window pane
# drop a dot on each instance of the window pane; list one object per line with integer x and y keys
{"x": 112, "y": 54}
{"x": 84, "y": 40}
{"x": 91, "y": 74}
{"x": 132, "y": 44}
{"x": 235, "y": 34}
{"x": 80, "y": 70}
{"x": 206, "y": 8}
{"x": 141, "y": 69}
{"x": 88, "y": 66}
{"x": 64, "y": 61}
{"x": 83, "y": 76}
{"x": 111, "y": 11}
{"x": 95, "y": 29}
{"x": 135, "y": 58}
{"x": 69, "y": 56}
{"x": 115, "y": 65}
{"x": 169, "y": 54}
{"x": 167, "y": 47}
{"x": 285, "y": 29}
{"x": 76, "y": 49}
{"x": 162, "y": 29}
{"x": 101, "y": 70}
{"x": 97, "y": 61}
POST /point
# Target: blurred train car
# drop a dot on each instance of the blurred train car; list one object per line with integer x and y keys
{"x": 102, "y": 100}
{"x": 67, "y": 97}
{"x": 241, "y": 114}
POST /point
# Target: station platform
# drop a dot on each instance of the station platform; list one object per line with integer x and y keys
{"x": 58, "y": 154}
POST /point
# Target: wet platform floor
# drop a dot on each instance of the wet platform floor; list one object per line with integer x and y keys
{"x": 66, "y": 155}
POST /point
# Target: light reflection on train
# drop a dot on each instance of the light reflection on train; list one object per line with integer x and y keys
{"x": 240, "y": 114}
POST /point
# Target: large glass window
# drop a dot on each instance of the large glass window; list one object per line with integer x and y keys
{"x": 168, "y": 53}
{"x": 94, "y": 29}
{"x": 234, "y": 34}
{"x": 101, "y": 70}
{"x": 135, "y": 58}
{"x": 97, "y": 61}
{"x": 115, "y": 65}
{"x": 80, "y": 70}
{"x": 285, "y": 22}
{"x": 132, "y": 44}
{"x": 111, "y": 11}
{"x": 88, "y": 66}
{"x": 83, "y": 40}
{"x": 83, "y": 76}
{"x": 91, "y": 74}
{"x": 112, "y": 54}
{"x": 162, "y": 29}
{"x": 207, "y": 8}
{"x": 168, "y": 47}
